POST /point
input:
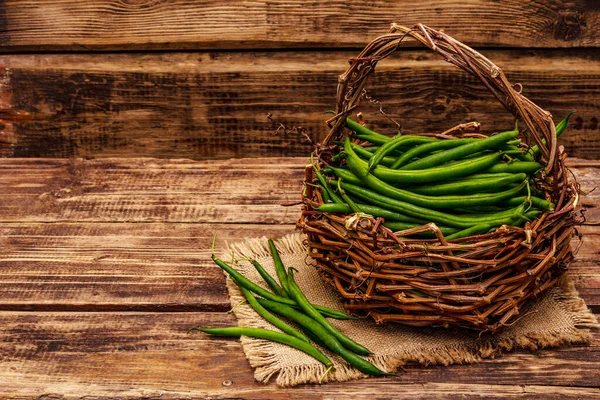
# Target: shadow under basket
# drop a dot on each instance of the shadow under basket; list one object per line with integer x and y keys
{"x": 478, "y": 282}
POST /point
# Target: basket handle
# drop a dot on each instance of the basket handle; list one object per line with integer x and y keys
{"x": 351, "y": 84}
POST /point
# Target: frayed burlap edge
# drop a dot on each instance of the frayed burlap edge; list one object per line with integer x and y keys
{"x": 260, "y": 353}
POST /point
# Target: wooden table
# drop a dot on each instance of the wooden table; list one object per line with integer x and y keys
{"x": 105, "y": 264}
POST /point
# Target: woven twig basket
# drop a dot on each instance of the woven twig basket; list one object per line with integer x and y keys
{"x": 479, "y": 282}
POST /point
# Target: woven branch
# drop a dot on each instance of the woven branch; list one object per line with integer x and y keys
{"x": 479, "y": 282}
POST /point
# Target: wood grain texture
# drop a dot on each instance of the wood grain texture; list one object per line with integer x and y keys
{"x": 215, "y": 105}
{"x": 151, "y": 190}
{"x": 184, "y": 24}
{"x": 150, "y": 355}
{"x": 121, "y": 266}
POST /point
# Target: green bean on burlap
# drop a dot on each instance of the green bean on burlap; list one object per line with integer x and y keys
{"x": 559, "y": 317}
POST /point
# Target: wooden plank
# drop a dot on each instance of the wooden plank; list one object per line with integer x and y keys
{"x": 215, "y": 105}
{"x": 580, "y": 162}
{"x": 588, "y": 180}
{"x": 151, "y": 190}
{"x": 585, "y": 268}
{"x": 149, "y": 354}
{"x": 101, "y": 25}
{"x": 118, "y": 266}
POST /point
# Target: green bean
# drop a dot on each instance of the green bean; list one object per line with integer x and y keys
{"x": 394, "y": 144}
{"x": 560, "y": 128}
{"x": 429, "y": 175}
{"x": 485, "y": 176}
{"x": 361, "y": 130}
{"x": 474, "y": 230}
{"x": 253, "y": 287}
{"x": 429, "y": 148}
{"x": 248, "y": 284}
{"x": 514, "y": 151}
{"x": 428, "y": 201}
{"x": 347, "y": 199}
{"x": 400, "y": 226}
{"x": 308, "y": 308}
{"x": 535, "y": 201}
{"x": 337, "y": 157}
{"x": 326, "y": 191}
{"x": 469, "y": 185}
{"x": 366, "y": 155}
{"x": 273, "y": 336}
{"x": 327, "y": 312}
{"x": 480, "y": 210}
{"x": 478, "y": 229}
{"x": 370, "y": 149}
{"x": 412, "y": 210}
{"x": 346, "y": 175}
{"x": 328, "y": 340}
{"x": 483, "y": 228}
{"x": 562, "y": 125}
{"x": 273, "y": 320}
{"x": 325, "y": 194}
{"x": 279, "y": 268}
{"x": 267, "y": 278}
{"x": 532, "y": 214}
{"x": 528, "y": 167}
{"x": 469, "y": 157}
{"x": 310, "y": 334}
{"x": 371, "y": 210}
{"x": 455, "y": 153}
{"x": 378, "y": 140}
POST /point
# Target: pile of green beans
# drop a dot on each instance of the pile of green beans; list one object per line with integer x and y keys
{"x": 287, "y": 300}
{"x": 467, "y": 186}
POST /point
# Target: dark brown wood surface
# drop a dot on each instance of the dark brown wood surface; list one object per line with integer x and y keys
{"x": 185, "y": 24}
{"x": 104, "y": 264}
{"x": 215, "y": 105}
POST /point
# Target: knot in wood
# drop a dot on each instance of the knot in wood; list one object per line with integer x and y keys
{"x": 568, "y": 27}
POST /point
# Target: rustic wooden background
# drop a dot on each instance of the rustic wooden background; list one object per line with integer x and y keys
{"x": 196, "y": 79}
{"x": 133, "y": 130}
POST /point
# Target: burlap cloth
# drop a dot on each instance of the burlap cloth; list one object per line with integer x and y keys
{"x": 559, "y": 317}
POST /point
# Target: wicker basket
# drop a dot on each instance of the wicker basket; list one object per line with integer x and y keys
{"x": 479, "y": 282}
